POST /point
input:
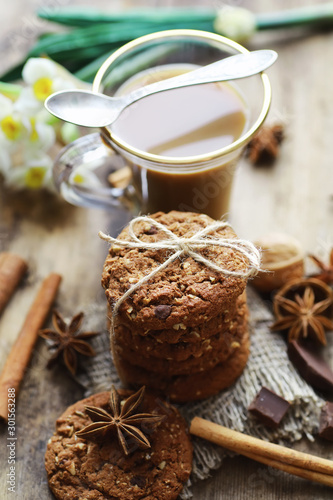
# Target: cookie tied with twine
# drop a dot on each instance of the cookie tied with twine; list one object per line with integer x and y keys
{"x": 186, "y": 261}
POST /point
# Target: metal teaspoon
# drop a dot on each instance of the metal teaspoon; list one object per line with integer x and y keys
{"x": 90, "y": 109}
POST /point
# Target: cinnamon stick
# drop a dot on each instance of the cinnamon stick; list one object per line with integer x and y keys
{"x": 12, "y": 269}
{"x": 19, "y": 356}
{"x": 318, "y": 477}
{"x": 262, "y": 450}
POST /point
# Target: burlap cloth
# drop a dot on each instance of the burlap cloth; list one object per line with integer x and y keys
{"x": 268, "y": 366}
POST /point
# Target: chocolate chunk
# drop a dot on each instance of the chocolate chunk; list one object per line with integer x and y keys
{"x": 326, "y": 422}
{"x": 138, "y": 481}
{"x": 268, "y": 407}
{"x": 152, "y": 230}
{"x": 311, "y": 366}
{"x": 162, "y": 311}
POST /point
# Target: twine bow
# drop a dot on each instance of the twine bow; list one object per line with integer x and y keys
{"x": 186, "y": 246}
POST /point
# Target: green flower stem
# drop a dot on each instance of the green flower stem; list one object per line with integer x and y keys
{"x": 97, "y": 33}
{"x": 10, "y": 90}
{"x": 319, "y": 15}
{"x": 87, "y": 17}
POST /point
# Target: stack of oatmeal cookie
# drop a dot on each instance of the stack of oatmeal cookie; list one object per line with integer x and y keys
{"x": 184, "y": 332}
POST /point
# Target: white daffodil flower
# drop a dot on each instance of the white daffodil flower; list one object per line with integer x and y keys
{"x": 35, "y": 173}
{"x": 84, "y": 177}
{"x": 42, "y": 136}
{"x": 28, "y": 131}
{"x": 46, "y": 77}
{"x": 11, "y": 126}
{"x": 27, "y": 104}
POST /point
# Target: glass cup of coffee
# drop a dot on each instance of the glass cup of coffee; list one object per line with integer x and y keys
{"x": 178, "y": 148}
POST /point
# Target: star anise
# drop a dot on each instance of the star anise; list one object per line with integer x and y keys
{"x": 326, "y": 274}
{"x": 304, "y": 316}
{"x": 67, "y": 342}
{"x": 123, "y": 418}
{"x": 264, "y": 146}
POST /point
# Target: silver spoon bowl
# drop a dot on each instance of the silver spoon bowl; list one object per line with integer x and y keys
{"x": 91, "y": 109}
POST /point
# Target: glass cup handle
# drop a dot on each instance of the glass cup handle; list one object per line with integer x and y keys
{"x": 81, "y": 171}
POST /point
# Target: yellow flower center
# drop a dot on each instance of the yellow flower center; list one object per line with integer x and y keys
{"x": 11, "y": 128}
{"x": 34, "y": 133}
{"x": 42, "y": 88}
{"x": 34, "y": 177}
{"x": 78, "y": 179}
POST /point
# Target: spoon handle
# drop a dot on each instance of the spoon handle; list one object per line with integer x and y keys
{"x": 230, "y": 68}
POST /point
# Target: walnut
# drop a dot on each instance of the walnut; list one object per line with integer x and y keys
{"x": 282, "y": 261}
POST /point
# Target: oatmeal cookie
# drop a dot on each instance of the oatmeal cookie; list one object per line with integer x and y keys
{"x": 211, "y": 352}
{"x": 179, "y": 333}
{"x": 80, "y": 469}
{"x": 185, "y": 292}
{"x": 184, "y": 388}
{"x": 195, "y": 343}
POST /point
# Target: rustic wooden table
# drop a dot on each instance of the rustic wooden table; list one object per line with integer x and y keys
{"x": 295, "y": 195}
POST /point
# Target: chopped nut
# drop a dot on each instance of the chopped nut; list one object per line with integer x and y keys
{"x": 81, "y": 446}
{"x": 79, "y": 413}
{"x": 178, "y": 300}
{"x": 71, "y": 469}
{"x": 116, "y": 248}
{"x": 207, "y": 346}
{"x": 162, "y": 465}
{"x": 129, "y": 310}
{"x": 70, "y": 430}
{"x": 179, "y": 326}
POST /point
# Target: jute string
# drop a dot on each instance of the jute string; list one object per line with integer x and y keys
{"x": 185, "y": 246}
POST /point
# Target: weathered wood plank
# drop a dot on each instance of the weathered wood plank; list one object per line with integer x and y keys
{"x": 294, "y": 195}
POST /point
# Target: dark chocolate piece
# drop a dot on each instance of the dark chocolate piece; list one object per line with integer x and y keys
{"x": 311, "y": 366}
{"x": 162, "y": 311}
{"x": 268, "y": 407}
{"x": 326, "y": 422}
{"x": 152, "y": 230}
